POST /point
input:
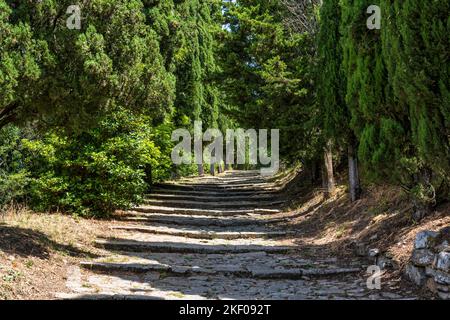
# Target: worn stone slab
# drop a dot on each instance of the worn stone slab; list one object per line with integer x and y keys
{"x": 247, "y": 261}
{"x": 187, "y": 248}
{"x": 226, "y": 287}
{"x": 124, "y": 267}
{"x": 173, "y": 239}
{"x": 203, "y": 212}
{"x": 215, "y": 192}
{"x": 251, "y": 205}
{"x": 443, "y": 261}
{"x": 202, "y": 234}
{"x": 422, "y": 257}
{"x": 262, "y": 199}
{"x": 188, "y": 220}
{"x": 237, "y": 271}
{"x": 263, "y": 273}
{"x": 258, "y": 264}
{"x": 424, "y": 239}
{"x": 224, "y": 184}
{"x": 167, "y": 270}
{"x": 251, "y": 186}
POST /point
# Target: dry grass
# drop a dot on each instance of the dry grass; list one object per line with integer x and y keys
{"x": 37, "y": 249}
{"x": 381, "y": 219}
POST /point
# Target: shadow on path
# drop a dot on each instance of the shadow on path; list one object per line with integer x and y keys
{"x": 26, "y": 243}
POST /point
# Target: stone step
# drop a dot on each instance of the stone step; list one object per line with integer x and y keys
{"x": 167, "y": 196}
{"x": 187, "y": 220}
{"x": 105, "y": 296}
{"x": 216, "y": 193}
{"x": 203, "y": 212}
{"x": 247, "y": 261}
{"x": 169, "y": 247}
{"x": 217, "y": 188}
{"x": 224, "y": 179}
{"x": 211, "y": 205}
{"x": 226, "y": 182}
{"x": 219, "y": 205}
{"x": 227, "y": 175}
{"x": 174, "y": 239}
{"x": 230, "y": 270}
{"x": 202, "y": 234}
{"x": 245, "y": 185}
{"x": 154, "y": 285}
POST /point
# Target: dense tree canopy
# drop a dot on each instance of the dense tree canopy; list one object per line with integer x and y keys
{"x": 267, "y": 70}
{"x": 78, "y": 74}
{"x": 86, "y": 115}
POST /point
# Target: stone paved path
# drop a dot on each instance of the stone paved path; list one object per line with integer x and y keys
{"x": 214, "y": 238}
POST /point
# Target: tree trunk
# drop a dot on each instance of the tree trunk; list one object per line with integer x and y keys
{"x": 422, "y": 206}
{"x": 323, "y": 171}
{"x": 221, "y": 169}
{"x": 313, "y": 173}
{"x": 353, "y": 174}
{"x": 201, "y": 171}
{"x": 330, "y": 184}
{"x": 212, "y": 169}
{"x": 8, "y": 115}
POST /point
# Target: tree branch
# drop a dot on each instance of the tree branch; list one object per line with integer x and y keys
{"x": 301, "y": 15}
{"x": 7, "y": 115}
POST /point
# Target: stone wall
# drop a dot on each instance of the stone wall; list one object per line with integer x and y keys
{"x": 429, "y": 265}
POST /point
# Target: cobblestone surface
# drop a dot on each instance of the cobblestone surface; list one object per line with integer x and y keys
{"x": 168, "y": 254}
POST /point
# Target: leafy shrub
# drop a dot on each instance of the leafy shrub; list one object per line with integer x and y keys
{"x": 96, "y": 172}
{"x": 13, "y": 174}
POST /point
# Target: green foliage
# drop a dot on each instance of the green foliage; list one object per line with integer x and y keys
{"x": 140, "y": 55}
{"x": 379, "y": 129}
{"x": 267, "y": 74}
{"x": 73, "y": 77}
{"x": 416, "y": 46}
{"x": 98, "y": 171}
{"x": 197, "y": 96}
{"x": 21, "y": 61}
{"x": 397, "y": 92}
{"x": 13, "y": 173}
{"x": 333, "y": 113}
{"x": 167, "y": 63}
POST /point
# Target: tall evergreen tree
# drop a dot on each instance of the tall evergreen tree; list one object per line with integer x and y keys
{"x": 22, "y": 58}
{"x": 416, "y": 49}
{"x": 365, "y": 87}
{"x": 193, "y": 62}
{"x": 87, "y": 70}
{"x": 267, "y": 74}
{"x": 333, "y": 111}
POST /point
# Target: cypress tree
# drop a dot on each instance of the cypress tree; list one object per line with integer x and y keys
{"x": 267, "y": 75}
{"x": 331, "y": 81}
{"x": 187, "y": 31}
{"x": 364, "y": 93}
{"x": 85, "y": 72}
{"x": 333, "y": 112}
{"x": 416, "y": 49}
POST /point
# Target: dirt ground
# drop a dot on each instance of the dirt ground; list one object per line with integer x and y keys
{"x": 382, "y": 220}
